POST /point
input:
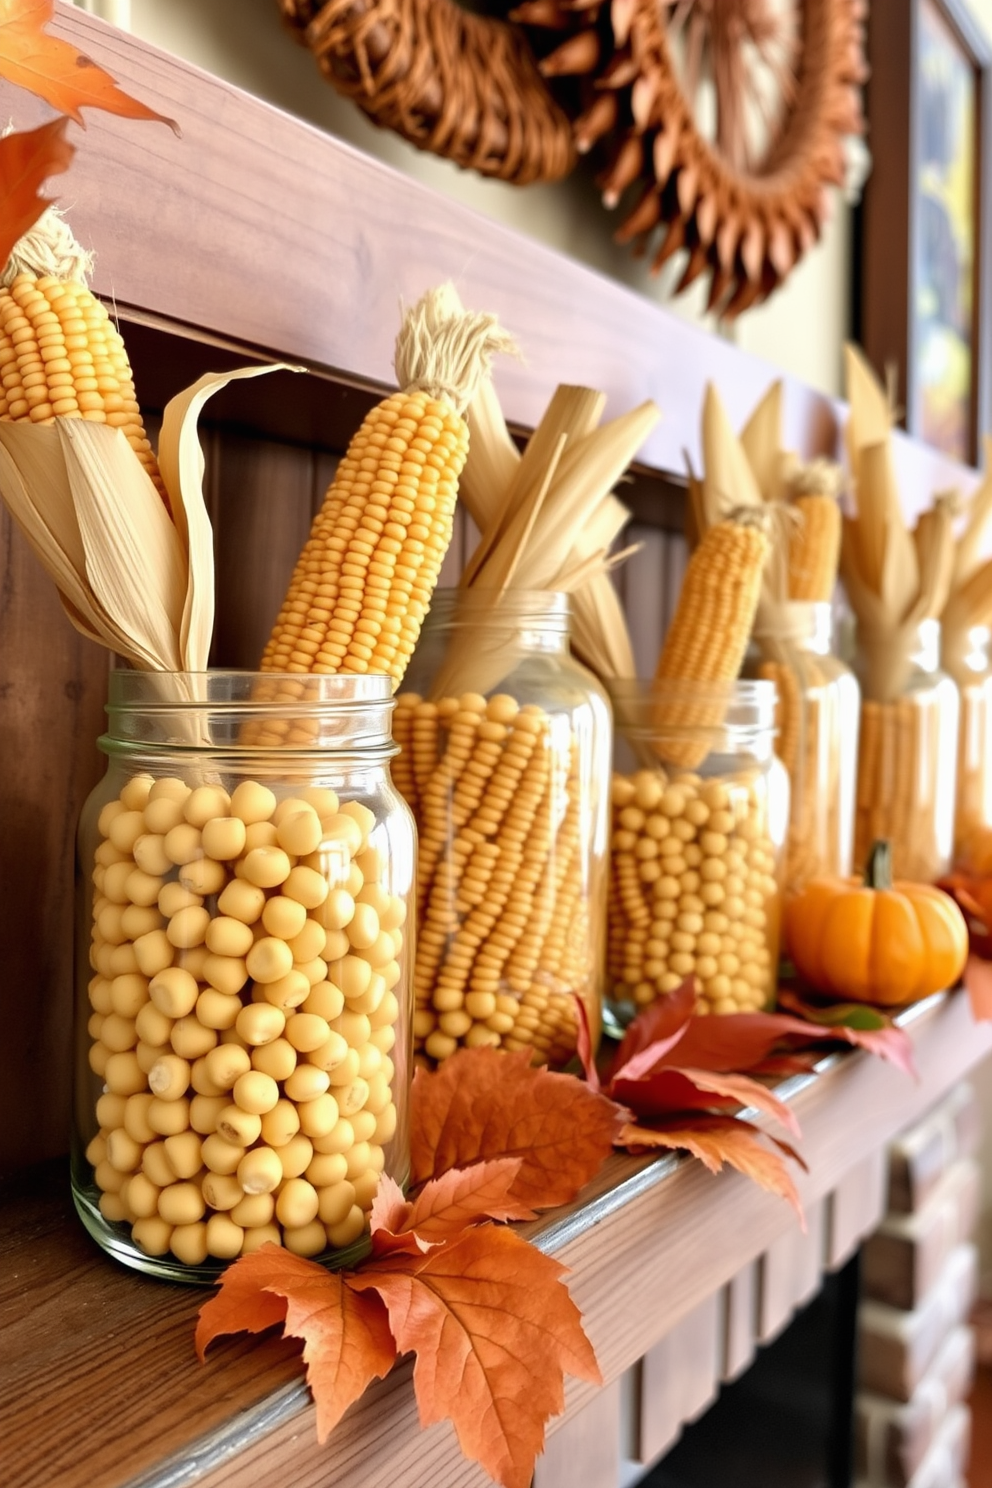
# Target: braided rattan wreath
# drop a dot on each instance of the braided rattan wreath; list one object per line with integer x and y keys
{"x": 743, "y": 211}
{"x": 463, "y": 86}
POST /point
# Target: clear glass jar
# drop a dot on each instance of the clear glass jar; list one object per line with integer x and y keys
{"x": 244, "y": 961}
{"x": 506, "y": 744}
{"x": 700, "y": 814}
{"x": 819, "y": 704}
{"x": 967, "y": 657}
{"x": 907, "y": 763}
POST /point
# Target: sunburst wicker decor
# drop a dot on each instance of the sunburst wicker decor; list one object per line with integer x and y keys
{"x": 781, "y": 83}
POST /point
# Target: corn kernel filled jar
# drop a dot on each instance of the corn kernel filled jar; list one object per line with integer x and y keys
{"x": 907, "y": 752}
{"x": 244, "y": 960}
{"x": 966, "y": 655}
{"x": 700, "y": 811}
{"x": 506, "y": 762}
{"x": 816, "y": 720}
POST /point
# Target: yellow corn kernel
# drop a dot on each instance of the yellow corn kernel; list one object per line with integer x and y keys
{"x": 61, "y": 356}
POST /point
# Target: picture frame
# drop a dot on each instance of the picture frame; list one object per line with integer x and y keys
{"x": 923, "y": 302}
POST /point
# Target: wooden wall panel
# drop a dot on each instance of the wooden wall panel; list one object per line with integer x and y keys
{"x": 52, "y": 692}
{"x": 680, "y": 1377}
{"x": 262, "y": 497}
{"x": 740, "y": 1321}
{"x": 586, "y": 1448}
{"x": 790, "y": 1272}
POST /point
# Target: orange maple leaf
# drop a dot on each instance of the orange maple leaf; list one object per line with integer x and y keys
{"x": 482, "y": 1104}
{"x": 27, "y": 160}
{"x": 347, "y": 1342}
{"x": 494, "y": 1331}
{"x": 445, "y": 1206}
{"x": 716, "y": 1140}
{"x": 55, "y": 70}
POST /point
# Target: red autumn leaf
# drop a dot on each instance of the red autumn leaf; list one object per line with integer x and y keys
{"x": 663, "y": 1022}
{"x": 55, "y": 70}
{"x": 347, "y": 1342}
{"x": 445, "y": 1206}
{"x": 494, "y": 1331}
{"x": 667, "y": 1091}
{"x": 482, "y": 1104}
{"x": 978, "y": 983}
{"x": 856, "y": 1023}
{"x": 583, "y": 1045}
{"x": 27, "y": 160}
{"x": 716, "y": 1140}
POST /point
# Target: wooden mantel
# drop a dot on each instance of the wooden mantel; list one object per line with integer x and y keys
{"x": 679, "y": 1276}
{"x": 255, "y": 236}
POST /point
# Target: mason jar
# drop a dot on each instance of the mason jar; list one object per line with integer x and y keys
{"x": 244, "y": 960}
{"x": 505, "y": 760}
{"x": 700, "y": 814}
{"x": 817, "y": 717}
{"x": 907, "y": 763}
{"x": 966, "y": 657}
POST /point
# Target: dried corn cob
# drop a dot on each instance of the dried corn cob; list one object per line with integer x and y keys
{"x": 709, "y": 631}
{"x": 712, "y": 621}
{"x": 896, "y": 787}
{"x": 814, "y": 548}
{"x": 61, "y": 356}
{"x": 364, "y": 580}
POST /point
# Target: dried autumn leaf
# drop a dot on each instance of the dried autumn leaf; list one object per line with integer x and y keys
{"x": 347, "y": 1342}
{"x": 57, "y": 71}
{"x": 716, "y": 1140}
{"x": 27, "y": 159}
{"x": 445, "y": 1206}
{"x": 855, "y": 1023}
{"x": 482, "y": 1105}
{"x": 494, "y": 1331}
{"x": 666, "y": 1091}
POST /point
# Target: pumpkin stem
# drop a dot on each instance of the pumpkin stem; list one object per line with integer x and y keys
{"x": 878, "y": 869}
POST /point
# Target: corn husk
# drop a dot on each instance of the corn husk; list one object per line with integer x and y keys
{"x": 895, "y": 578}
{"x": 548, "y": 521}
{"x": 128, "y": 576}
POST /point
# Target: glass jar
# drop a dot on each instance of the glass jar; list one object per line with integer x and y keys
{"x": 700, "y": 814}
{"x": 244, "y": 960}
{"x": 907, "y": 760}
{"x": 966, "y": 657}
{"x": 506, "y": 744}
{"x": 816, "y": 719}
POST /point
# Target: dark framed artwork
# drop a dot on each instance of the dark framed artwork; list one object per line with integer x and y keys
{"x": 925, "y": 283}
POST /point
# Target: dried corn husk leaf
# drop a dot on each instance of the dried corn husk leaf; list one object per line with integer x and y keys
{"x": 761, "y": 443}
{"x": 728, "y": 481}
{"x": 134, "y": 558}
{"x": 968, "y": 555}
{"x": 181, "y": 462}
{"x": 870, "y": 418}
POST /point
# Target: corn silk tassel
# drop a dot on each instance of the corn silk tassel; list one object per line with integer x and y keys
{"x": 364, "y": 580}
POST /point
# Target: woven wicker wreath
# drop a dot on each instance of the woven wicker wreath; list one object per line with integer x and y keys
{"x": 744, "y": 210}
{"x": 460, "y": 85}
{"x": 630, "y": 76}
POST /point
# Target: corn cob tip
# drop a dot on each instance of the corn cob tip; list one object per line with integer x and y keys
{"x": 444, "y": 350}
{"x": 48, "y": 248}
{"x": 816, "y": 478}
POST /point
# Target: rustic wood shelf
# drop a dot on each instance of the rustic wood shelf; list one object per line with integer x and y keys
{"x": 679, "y": 1276}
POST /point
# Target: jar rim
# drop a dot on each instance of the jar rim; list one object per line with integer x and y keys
{"x": 235, "y": 687}
{"x": 743, "y": 707}
{"x": 548, "y": 608}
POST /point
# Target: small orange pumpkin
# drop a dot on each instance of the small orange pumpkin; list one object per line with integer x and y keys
{"x": 876, "y": 941}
